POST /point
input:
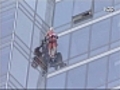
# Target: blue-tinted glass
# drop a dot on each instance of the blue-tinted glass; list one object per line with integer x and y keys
{"x": 24, "y": 28}
{"x": 116, "y": 44}
{"x": 116, "y": 28}
{"x": 19, "y": 67}
{"x": 15, "y": 82}
{"x": 97, "y": 73}
{"x": 36, "y": 38}
{"x": 76, "y": 77}
{"x": 63, "y": 46}
{"x": 42, "y": 8}
{"x": 114, "y": 66}
{"x": 5, "y": 16}
{"x": 2, "y": 77}
{"x": 33, "y": 77}
{"x": 81, "y": 6}
{"x": 100, "y": 34}
{"x": 56, "y": 82}
{"x": 7, "y": 27}
{"x": 31, "y": 3}
{"x": 4, "y": 59}
{"x": 80, "y": 41}
{"x": 101, "y": 87}
{"x": 114, "y": 84}
{"x": 117, "y": 1}
{"x": 100, "y": 4}
{"x": 63, "y": 12}
{"x": 99, "y": 51}
{"x": 78, "y": 58}
{"x": 62, "y": 28}
{"x": 6, "y": 39}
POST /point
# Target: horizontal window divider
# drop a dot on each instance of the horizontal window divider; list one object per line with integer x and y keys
{"x": 83, "y": 62}
{"x": 89, "y": 23}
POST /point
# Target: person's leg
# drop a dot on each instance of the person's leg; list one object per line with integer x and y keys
{"x": 49, "y": 49}
{"x": 54, "y": 49}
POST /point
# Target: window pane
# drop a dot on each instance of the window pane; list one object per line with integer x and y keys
{"x": 114, "y": 66}
{"x": 36, "y": 38}
{"x": 31, "y": 3}
{"x": 116, "y": 28}
{"x": 24, "y": 28}
{"x": 7, "y": 15}
{"x": 33, "y": 78}
{"x": 100, "y": 4}
{"x": 80, "y": 41}
{"x": 100, "y": 34}
{"x": 19, "y": 66}
{"x": 116, "y": 44}
{"x": 99, "y": 51}
{"x": 97, "y": 73}
{"x": 76, "y": 77}
{"x": 63, "y": 12}
{"x": 114, "y": 84}
{"x": 63, "y": 46}
{"x": 4, "y": 59}
{"x": 56, "y": 82}
{"x": 41, "y": 8}
{"x": 78, "y": 58}
{"x": 62, "y": 28}
{"x": 7, "y": 28}
{"x": 117, "y": 1}
{"x": 81, "y": 6}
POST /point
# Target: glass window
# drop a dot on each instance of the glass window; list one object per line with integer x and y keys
{"x": 5, "y": 39}
{"x": 14, "y": 81}
{"x": 7, "y": 15}
{"x": 62, "y": 28}
{"x": 78, "y": 58}
{"x": 63, "y": 46}
{"x": 24, "y": 28}
{"x": 4, "y": 59}
{"x": 81, "y": 6}
{"x": 33, "y": 78}
{"x": 36, "y": 38}
{"x": 19, "y": 67}
{"x": 100, "y": 34}
{"x": 114, "y": 84}
{"x": 99, "y": 51}
{"x": 80, "y": 41}
{"x": 116, "y": 28}
{"x": 7, "y": 27}
{"x": 56, "y": 82}
{"x": 63, "y": 12}
{"x": 114, "y": 66}
{"x": 116, "y": 44}
{"x": 3, "y": 78}
{"x": 101, "y": 87}
{"x": 116, "y": 1}
{"x": 97, "y": 73}
{"x": 41, "y": 9}
{"x": 76, "y": 77}
{"x": 31, "y": 3}
{"x": 100, "y": 4}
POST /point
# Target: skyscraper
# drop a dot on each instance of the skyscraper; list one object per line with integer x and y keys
{"x": 89, "y": 40}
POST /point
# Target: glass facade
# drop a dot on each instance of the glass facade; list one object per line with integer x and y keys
{"x": 90, "y": 47}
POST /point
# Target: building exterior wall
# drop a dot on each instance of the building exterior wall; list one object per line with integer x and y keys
{"x": 23, "y": 24}
{"x": 87, "y": 42}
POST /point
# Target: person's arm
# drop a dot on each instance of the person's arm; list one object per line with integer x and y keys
{"x": 36, "y": 50}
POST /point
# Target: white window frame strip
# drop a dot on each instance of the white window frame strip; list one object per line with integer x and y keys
{"x": 114, "y": 88}
{"x": 83, "y": 62}
{"x": 89, "y": 23}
